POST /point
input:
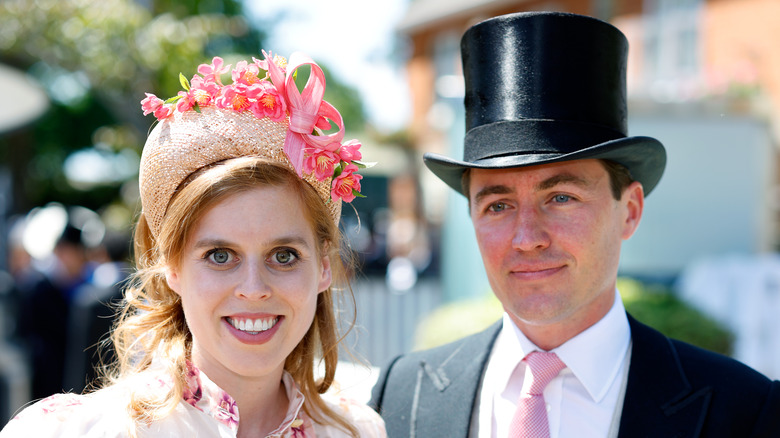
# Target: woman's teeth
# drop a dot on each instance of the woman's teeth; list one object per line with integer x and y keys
{"x": 253, "y": 325}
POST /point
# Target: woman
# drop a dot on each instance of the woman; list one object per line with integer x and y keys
{"x": 237, "y": 250}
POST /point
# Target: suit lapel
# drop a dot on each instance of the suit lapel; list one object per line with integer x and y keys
{"x": 447, "y": 387}
{"x": 659, "y": 398}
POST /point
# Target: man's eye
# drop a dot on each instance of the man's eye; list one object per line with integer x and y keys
{"x": 561, "y": 198}
{"x": 219, "y": 256}
{"x": 284, "y": 257}
{"x": 498, "y": 206}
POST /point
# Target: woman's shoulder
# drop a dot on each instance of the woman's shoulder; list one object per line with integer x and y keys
{"x": 366, "y": 420}
{"x": 57, "y": 406}
{"x": 69, "y": 415}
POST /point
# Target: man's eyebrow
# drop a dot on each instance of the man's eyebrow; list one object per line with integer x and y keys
{"x": 492, "y": 190}
{"x": 563, "y": 178}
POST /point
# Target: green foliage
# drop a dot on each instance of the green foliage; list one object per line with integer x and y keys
{"x": 653, "y": 305}
{"x": 119, "y": 44}
{"x": 659, "y": 308}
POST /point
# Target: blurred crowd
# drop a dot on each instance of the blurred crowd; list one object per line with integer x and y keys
{"x": 65, "y": 269}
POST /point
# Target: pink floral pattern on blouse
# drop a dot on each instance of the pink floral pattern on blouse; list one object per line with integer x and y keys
{"x": 192, "y": 393}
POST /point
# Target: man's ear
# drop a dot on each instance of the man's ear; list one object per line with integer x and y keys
{"x": 172, "y": 278}
{"x": 633, "y": 201}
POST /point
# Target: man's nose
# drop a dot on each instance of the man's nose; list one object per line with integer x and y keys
{"x": 530, "y": 231}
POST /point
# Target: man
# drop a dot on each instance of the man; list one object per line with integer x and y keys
{"x": 554, "y": 186}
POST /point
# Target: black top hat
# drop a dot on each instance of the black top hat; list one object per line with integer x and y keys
{"x": 544, "y": 87}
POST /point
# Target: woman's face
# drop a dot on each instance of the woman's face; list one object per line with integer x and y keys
{"x": 248, "y": 279}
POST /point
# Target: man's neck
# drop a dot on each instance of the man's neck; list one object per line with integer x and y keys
{"x": 553, "y": 334}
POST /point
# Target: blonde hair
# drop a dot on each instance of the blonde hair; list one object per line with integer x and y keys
{"x": 151, "y": 325}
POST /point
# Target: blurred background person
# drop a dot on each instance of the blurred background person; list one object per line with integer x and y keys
{"x": 60, "y": 240}
{"x": 93, "y": 311}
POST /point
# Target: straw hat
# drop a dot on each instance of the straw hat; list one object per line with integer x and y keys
{"x": 254, "y": 116}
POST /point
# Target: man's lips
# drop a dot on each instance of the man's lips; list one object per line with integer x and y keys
{"x": 536, "y": 271}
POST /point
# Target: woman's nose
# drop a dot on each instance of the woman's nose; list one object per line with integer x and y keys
{"x": 253, "y": 284}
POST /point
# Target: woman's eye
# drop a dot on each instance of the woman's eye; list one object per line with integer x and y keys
{"x": 561, "y": 198}
{"x": 284, "y": 257}
{"x": 219, "y": 256}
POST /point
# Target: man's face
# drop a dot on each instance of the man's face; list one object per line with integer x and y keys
{"x": 550, "y": 238}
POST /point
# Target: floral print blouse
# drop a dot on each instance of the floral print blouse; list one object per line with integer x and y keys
{"x": 205, "y": 411}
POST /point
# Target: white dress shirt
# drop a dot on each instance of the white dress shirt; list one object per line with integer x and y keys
{"x": 582, "y": 401}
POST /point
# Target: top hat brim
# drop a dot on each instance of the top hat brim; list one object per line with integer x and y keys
{"x": 644, "y": 157}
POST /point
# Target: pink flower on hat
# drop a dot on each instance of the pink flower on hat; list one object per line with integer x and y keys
{"x": 204, "y": 91}
{"x": 186, "y": 101}
{"x": 350, "y": 151}
{"x": 153, "y": 104}
{"x": 267, "y": 102}
{"x": 213, "y": 71}
{"x": 234, "y": 97}
{"x": 245, "y": 73}
{"x": 321, "y": 162}
{"x": 346, "y": 184}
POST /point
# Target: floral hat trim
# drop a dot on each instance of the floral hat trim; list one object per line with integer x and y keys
{"x": 275, "y": 95}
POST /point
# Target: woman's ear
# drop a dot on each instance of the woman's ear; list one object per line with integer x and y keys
{"x": 172, "y": 278}
{"x": 326, "y": 275}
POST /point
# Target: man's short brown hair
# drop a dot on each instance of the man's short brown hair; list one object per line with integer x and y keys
{"x": 619, "y": 179}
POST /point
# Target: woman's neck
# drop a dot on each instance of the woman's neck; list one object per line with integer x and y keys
{"x": 262, "y": 407}
{"x": 262, "y": 400}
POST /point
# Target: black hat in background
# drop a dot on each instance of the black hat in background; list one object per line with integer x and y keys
{"x": 546, "y": 87}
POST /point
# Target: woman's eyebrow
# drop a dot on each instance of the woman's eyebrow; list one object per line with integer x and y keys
{"x": 211, "y": 243}
{"x": 290, "y": 240}
{"x": 281, "y": 241}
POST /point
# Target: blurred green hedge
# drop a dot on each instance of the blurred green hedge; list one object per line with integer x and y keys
{"x": 659, "y": 308}
{"x": 654, "y": 305}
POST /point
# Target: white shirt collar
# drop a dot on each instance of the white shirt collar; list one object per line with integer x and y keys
{"x": 594, "y": 356}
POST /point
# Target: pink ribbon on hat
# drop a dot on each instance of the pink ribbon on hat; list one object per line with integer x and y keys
{"x": 307, "y": 109}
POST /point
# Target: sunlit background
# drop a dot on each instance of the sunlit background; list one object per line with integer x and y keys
{"x": 704, "y": 78}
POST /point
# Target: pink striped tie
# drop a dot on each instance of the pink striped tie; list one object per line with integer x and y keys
{"x": 530, "y": 419}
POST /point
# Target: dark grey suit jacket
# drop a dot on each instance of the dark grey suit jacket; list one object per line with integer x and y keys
{"x": 674, "y": 390}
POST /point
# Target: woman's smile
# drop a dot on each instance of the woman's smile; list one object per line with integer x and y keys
{"x": 252, "y": 326}
{"x": 253, "y": 331}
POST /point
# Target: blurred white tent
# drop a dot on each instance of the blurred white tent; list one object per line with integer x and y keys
{"x": 25, "y": 99}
